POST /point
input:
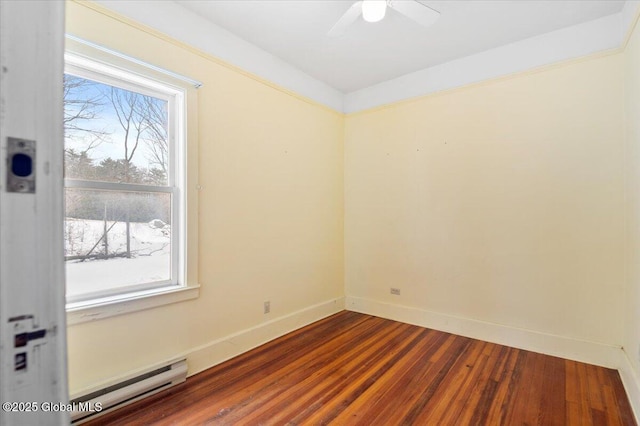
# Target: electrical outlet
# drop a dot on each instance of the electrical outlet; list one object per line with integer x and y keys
{"x": 395, "y": 291}
{"x": 267, "y": 307}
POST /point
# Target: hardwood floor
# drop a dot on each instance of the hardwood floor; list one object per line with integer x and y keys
{"x": 354, "y": 369}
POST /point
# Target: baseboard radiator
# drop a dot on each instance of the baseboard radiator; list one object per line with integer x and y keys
{"x": 112, "y": 397}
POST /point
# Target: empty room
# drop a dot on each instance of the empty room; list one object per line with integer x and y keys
{"x": 307, "y": 212}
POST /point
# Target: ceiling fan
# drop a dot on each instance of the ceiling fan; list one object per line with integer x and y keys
{"x": 375, "y": 10}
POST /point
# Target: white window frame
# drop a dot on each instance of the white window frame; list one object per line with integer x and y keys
{"x": 130, "y": 74}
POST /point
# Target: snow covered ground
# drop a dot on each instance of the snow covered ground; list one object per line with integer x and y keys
{"x": 150, "y": 249}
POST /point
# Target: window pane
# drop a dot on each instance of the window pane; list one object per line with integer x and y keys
{"x": 116, "y": 239}
{"x": 113, "y": 134}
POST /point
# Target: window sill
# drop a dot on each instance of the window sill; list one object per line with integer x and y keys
{"x": 93, "y": 310}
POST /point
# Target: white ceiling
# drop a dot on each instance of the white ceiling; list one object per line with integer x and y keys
{"x": 286, "y": 42}
{"x": 368, "y": 54}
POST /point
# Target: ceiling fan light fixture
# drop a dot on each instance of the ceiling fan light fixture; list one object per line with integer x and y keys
{"x": 374, "y": 10}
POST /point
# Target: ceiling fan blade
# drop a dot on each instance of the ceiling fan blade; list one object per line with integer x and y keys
{"x": 347, "y": 19}
{"x": 415, "y": 10}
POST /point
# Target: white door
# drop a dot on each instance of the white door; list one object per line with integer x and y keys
{"x": 33, "y": 374}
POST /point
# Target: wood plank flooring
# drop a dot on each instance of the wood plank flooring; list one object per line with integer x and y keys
{"x": 355, "y": 369}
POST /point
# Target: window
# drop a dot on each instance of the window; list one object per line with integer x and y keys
{"x": 125, "y": 202}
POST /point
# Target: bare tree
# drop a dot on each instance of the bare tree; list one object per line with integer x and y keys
{"x": 82, "y": 106}
{"x": 157, "y": 133}
{"x": 143, "y": 123}
{"x": 130, "y": 112}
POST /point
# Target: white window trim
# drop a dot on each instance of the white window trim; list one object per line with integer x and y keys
{"x": 94, "y": 62}
{"x": 92, "y": 310}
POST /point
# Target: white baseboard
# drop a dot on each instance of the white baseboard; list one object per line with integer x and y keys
{"x": 220, "y": 350}
{"x": 213, "y": 353}
{"x": 631, "y": 382}
{"x": 564, "y": 347}
{"x": 549, "y": 344}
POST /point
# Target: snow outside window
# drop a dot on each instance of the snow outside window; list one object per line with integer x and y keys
{"x": 124, "y": 199}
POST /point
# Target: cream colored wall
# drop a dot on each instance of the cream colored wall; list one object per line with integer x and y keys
{"x": 270, "y": 214}
{"x": 500, "y": 202}
{"x": 631, "y": 341}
